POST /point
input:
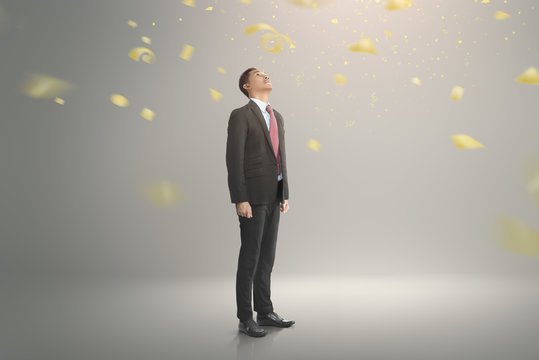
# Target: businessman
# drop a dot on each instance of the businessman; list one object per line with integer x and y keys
{"x": 258, "y": 185}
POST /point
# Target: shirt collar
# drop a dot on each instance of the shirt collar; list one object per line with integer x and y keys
{"x": 262, "y": 105}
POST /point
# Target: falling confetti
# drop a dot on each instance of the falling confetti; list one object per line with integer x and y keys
{"x": 307, "y": 3}
{"x": 398, "y": 4}
{"x": 216, "y": 95}
{"x": 190, "y": 3}
{"x": 142, "y": 53}
{"x": 44, "y": 86}
{"x": 59, "y": 100}
{"x": 187, "y": 52}
{"x": 339, "y": 79}
{"x": 146, "y": 40}
{"x": 314, "y": 145}
{"x": 119, "y": 100}
{"x": 500, "y": 15}
{"x": 162, "y": 193}
{"x": 221, "y": 70}
{"x": 363, "y": 45}
{"x": 416, "y": 81}
{"x": 147, "y": 114}
{"x": 456, "y": 93}
{"x": 132, "y": 23}
{"x": 463, "y": 141}
{"x": 516, "y": 236}
{"x": 266, "y": 38}
{"x": 530, "y": 76}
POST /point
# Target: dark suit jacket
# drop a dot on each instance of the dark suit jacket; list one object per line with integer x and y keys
{"x": 250, "y": 159}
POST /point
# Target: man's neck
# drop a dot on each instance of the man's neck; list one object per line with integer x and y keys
{"x": 262, "y": 97}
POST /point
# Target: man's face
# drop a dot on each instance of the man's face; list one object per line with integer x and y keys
{"x": 259, "y": 81}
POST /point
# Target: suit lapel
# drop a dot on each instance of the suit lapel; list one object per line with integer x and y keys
{"x": 262, "y": 122}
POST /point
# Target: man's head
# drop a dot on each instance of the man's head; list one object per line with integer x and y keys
{"x": 253, "y": 81}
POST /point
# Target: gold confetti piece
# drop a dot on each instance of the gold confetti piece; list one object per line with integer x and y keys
{"x": 216, "y": 95}
{"x": 456, "y": 93}
{"x": 246, "y": 1}
{"x": 335, "y": 21}
{"x": 209, "y": 8}
{"x": 485, "y": 2}
{"x": 500, "y": 15}
{"x": 387, "y": 33}
{"x": 187, "y": 52}
{"x": 416, "y": 81}
{"x": 132, "y": 23}
{"x": 516, "y": 236}
{"x": 307, "y": 3}
{"x": 266, "y": 38}
{"x": 398, "y": 4}
{"x": 119, "y": 100}
{"x": 44, "y": 86}
{"x": 221, "y": 70}
{"x": 147, "y": 114}
{"x": 363, "y": 45}
{"x": 146, "y": 40}
{"x": 59, "y": 100}
{"x": 190, "y": 3}
{"x": 530, "y": 76}
{"x": 339, "y": 79}
{"x": 463, "y": 141}
{"x": 142, "y": 53}
{"x": 314, "y": 145}
{"x": 162, "y": 193}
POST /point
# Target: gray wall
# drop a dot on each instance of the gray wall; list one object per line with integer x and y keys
{"x": 390, "y": 194}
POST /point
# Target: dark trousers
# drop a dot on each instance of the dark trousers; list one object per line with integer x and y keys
{"x": 255, "y": 261}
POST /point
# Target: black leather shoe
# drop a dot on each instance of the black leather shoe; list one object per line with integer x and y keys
{"x": 273, "y": 319}
{"x": 251, "y": 328}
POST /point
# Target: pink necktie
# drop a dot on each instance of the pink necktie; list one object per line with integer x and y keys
{"x": 274, "y": 136}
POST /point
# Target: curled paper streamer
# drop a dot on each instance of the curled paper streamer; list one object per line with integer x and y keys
{"x": 142, "y": 53}
{"x": 266, "y": 38}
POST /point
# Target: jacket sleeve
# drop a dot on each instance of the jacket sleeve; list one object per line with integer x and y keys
{"x": 235, "y": 152}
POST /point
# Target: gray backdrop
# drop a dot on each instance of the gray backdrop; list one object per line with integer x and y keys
{"x": 389, "y": 194}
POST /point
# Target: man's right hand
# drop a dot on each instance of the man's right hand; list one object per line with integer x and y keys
{"x": 244, "y": 209}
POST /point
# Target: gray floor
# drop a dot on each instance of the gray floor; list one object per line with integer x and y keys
{"x": 371, "y": 317}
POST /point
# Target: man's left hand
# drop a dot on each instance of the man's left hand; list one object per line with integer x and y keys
{"x": 284, "y": 206}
